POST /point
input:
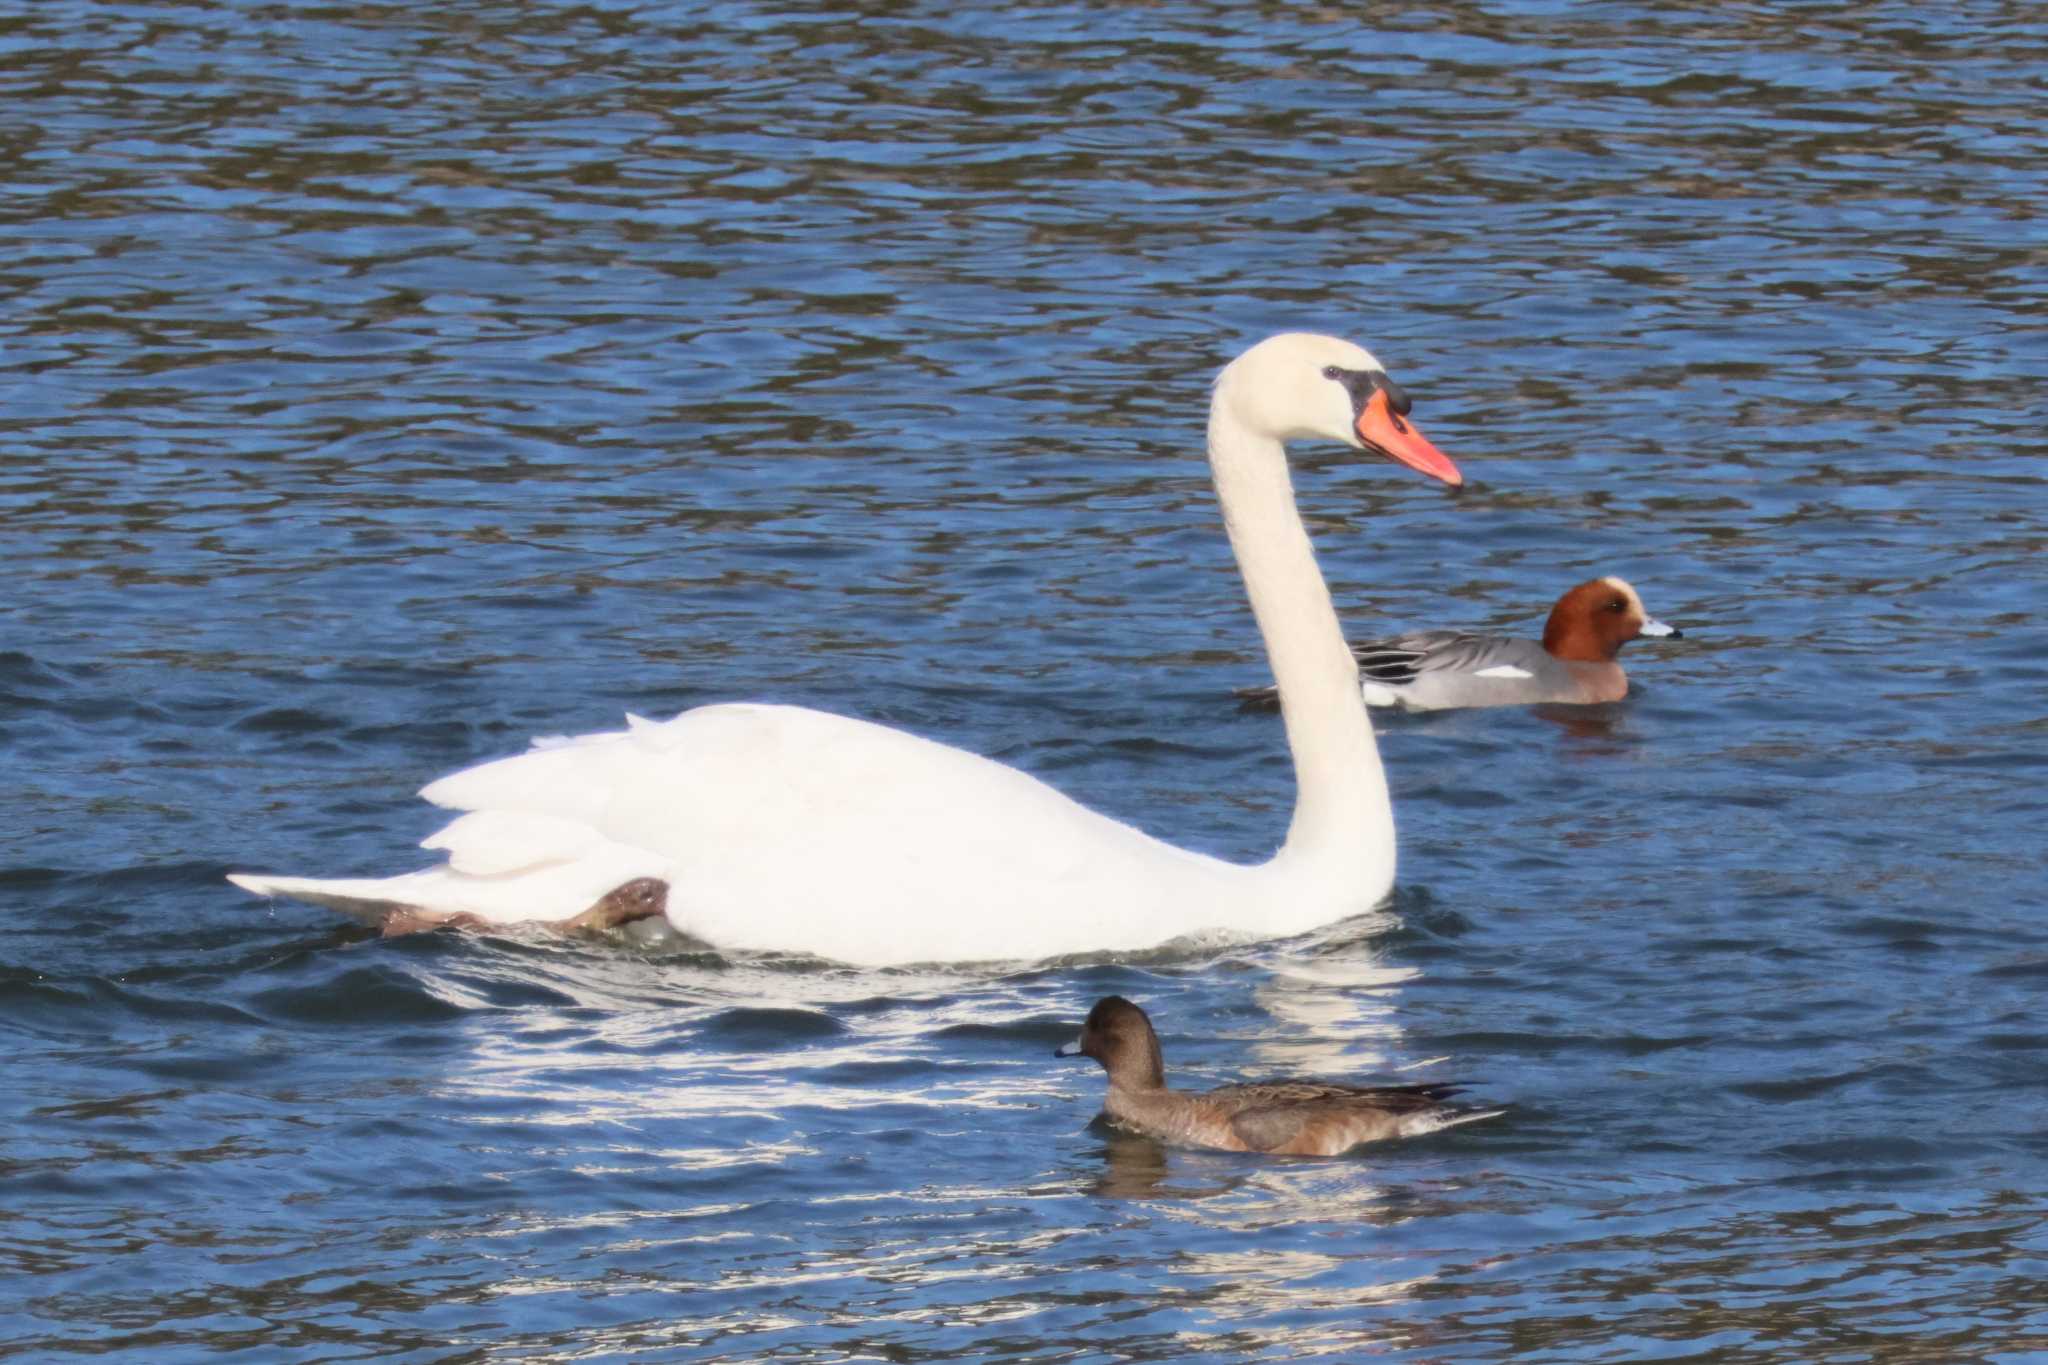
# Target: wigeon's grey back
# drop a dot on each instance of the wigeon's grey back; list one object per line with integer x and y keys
{"x": 1574, "y": 663}
{"x": 1437, "y": 670}
{"x": 1290, "y": 1118}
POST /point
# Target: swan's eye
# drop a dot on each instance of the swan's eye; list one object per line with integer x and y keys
{"x": 1332, "y": 372}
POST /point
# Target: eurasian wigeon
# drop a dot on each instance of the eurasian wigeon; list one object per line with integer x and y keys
{"x": 1436, "y": 670}
{"x": 1283, "y": 1118}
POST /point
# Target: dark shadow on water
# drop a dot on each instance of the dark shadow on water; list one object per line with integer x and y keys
{"x": 1141, "y": 1168}
{"x": 1601, "y": 728}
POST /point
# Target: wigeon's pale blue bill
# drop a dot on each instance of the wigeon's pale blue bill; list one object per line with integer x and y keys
{"x": 1397, "y": 438}
{"x": 1652, "y": 626}
{"x": 1072, "y": 1049}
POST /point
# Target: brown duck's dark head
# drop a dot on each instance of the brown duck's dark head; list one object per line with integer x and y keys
{"x": 1118, "y": 1035}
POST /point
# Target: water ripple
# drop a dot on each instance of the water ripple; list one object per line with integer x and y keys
{"x": 384, "y": 385}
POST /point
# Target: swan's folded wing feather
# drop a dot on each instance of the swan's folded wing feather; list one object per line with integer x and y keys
{"x": 764, "y": 819}
{"x": 582, "y": 777}
{"x": 571, "y": 776}
{"x": 492, "y": 843}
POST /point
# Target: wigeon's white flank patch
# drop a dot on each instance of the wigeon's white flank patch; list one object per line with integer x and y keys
{"x": 1503, "y": 671}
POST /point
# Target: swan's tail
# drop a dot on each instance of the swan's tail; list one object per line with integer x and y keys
{"x": 366, "y": 899}
{"x": 480, "y": 878}
{"x": 505, "y": 866}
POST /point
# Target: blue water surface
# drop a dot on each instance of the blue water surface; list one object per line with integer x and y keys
{"x": 381, "y": 385}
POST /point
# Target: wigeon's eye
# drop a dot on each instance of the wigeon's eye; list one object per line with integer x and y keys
{"x": 1617, "y": 605}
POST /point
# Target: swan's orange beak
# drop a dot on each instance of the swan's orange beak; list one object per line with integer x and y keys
{"x": 1397, "y": 439}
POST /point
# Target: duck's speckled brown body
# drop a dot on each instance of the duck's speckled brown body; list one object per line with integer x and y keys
{"x": 1290, "y": 1118}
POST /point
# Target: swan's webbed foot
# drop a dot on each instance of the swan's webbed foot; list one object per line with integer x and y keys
{"x": 641, "y": 898}
{"x": 412, "y": 920}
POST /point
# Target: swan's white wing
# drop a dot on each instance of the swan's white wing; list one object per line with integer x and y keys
{"x": 491, "y": 843}
{"x": 781, "y": 828}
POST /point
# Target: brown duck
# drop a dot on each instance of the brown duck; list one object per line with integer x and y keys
{"x": 1289, "y": 1118}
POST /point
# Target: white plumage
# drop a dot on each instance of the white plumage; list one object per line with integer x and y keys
{"x": 779, "y": 828}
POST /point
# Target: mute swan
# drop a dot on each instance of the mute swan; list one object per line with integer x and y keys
{"x": 1437, "y": 670}
{"x": 1279, "y": 1118}
{"x": 778, "y": 828}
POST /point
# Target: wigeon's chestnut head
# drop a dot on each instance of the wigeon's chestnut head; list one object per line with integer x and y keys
{"x": 1283, "y": 1118}
{"x": 1593, "y": 621}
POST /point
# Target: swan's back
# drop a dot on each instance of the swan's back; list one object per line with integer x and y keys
{"x": 784, "y": 828}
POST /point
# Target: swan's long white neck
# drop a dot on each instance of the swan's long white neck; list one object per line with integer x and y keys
{"x": 1342, "y": 816}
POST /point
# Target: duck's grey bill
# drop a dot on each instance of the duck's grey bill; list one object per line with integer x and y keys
{"x": 1072, "y": 1049}
{"x": 1655, "y": 627}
